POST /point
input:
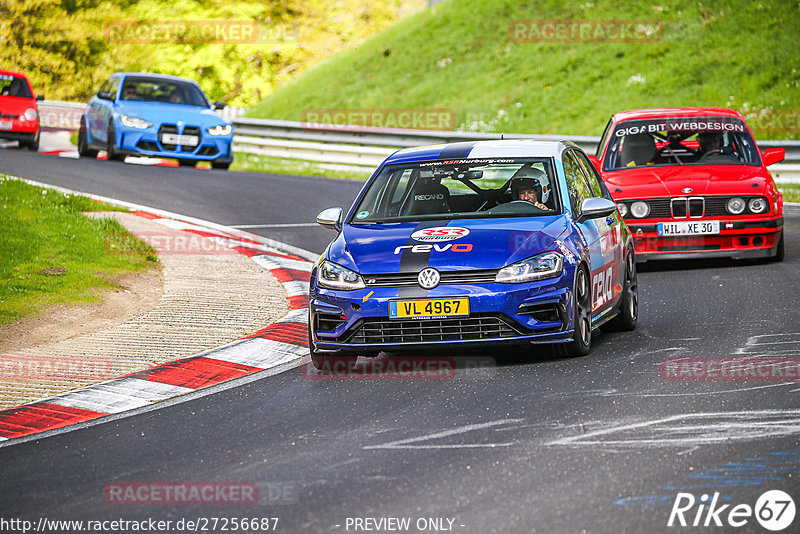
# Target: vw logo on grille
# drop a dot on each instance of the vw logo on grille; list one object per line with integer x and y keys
{"x": 687, "y": 189}
{"x": 428, "y": 278}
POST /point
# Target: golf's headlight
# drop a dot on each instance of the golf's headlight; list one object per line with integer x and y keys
{"x": 547, "y": 265}
{"x": 133, "y": 122}
{"x": 30, "y": 114}
{"x": 623, "y": 208}
{"x": 220, "y": 129}
{"x": 335, "y": 276}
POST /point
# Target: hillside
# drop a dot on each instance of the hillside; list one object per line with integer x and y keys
{"x": 461, "y": 56}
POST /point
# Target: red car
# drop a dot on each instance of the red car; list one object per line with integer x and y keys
{"x": 692, "y": 183}
{"x": 19, "y": 114}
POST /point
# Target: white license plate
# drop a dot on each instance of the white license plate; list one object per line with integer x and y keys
{"x": 688, "y": 228}
{"x": 6, "y": 125}
{"x": 175, "y": 139}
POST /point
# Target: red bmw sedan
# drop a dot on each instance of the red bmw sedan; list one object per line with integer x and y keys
{"x": 692, "y": 183}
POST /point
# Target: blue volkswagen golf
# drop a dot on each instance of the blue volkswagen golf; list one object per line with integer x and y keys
{"x": 488, "y": 242}
{"x": 155, "y": 115}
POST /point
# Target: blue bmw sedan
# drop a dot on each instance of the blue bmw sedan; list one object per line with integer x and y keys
{"x": 155, "y": 115}
{"x": 487, "y": 242}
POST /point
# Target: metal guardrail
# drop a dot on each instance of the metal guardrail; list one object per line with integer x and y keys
{"x": 362, "y": 148}
{"x": 365, "y": 147}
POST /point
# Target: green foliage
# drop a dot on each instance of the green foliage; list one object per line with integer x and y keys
{"x": 69, "y": 47}
{"x": 51, "y": 253}
{"x": 736, "y": 53}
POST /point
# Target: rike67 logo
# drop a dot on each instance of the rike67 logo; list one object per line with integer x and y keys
{"x": 774, "y": 510}
{"x": 440, "y": 233}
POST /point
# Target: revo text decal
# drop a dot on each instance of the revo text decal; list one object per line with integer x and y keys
{"x": 603, "y": 287}
{"x": 422, "y": 249}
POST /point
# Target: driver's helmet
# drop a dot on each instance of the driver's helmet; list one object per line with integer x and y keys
{"x": 708, "y": 139}
{"x": 528, "y": 177}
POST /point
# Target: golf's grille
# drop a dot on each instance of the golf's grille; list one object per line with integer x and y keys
{"x": 430, "y": 330}
{"x": 447, "y": 277}
{"x": 168, "y": 129}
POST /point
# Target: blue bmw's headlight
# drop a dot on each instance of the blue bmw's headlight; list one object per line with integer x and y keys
{"x": 220, "y": 129}
{"x": 547, "y": 265}
{"x": 335, "y": 276}
{"x": 133, "y": 122}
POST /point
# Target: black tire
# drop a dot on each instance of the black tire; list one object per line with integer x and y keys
{"x": 83, "y": 145}
{"x": 330, "y": 362}
{"x": 581, "y": 342}
{"x": 111, "y": 145}
{"x": 221, "y": 165}
{"x": 628, "y": 315}
{"x": 34, "y": 145}
{"x": 187, "y": 162}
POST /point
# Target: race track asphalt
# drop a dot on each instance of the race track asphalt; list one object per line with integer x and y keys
{"x": 532, "y": 444}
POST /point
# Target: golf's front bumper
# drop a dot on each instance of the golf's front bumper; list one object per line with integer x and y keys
{"x": 359, "y": 320}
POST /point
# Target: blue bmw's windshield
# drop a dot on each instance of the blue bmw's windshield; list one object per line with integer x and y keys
{"x": 146, "y": 89}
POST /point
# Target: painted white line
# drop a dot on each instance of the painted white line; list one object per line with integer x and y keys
{"x": 261, "y": 353}
{"x": 272, "y": 262}
{"x": 406, "y": 443}
{"x": 731, "y": 426}
{"x": 71, "y": 154}
{"x": 276, "y": 225}
{"x": 118, "y": 395}
{"x": 2, "y": 438}
{"x": 700, "y": 393}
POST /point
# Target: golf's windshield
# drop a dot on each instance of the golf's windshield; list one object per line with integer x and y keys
{"x": 468, "y": 188}
{"x": 680, "y": 141}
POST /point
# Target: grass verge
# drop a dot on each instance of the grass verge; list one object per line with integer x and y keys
{"x": 791, "y": 192}
{"x": 243, "y": 161}
{"x": 464, "y": 56}
{"x": 52, "y": 254}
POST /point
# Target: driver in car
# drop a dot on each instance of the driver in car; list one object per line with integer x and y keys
{"x": 710, "y": 143}
{"x": 526, "y": 185}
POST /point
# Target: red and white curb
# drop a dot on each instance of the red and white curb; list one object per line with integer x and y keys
{"x": 73, "y": 154}
{"x": 274, "y": 345}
